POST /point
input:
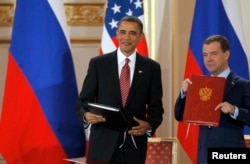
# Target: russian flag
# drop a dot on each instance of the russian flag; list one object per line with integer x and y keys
{"x": 38, "y": 121}
{"x": 213, "y": 17}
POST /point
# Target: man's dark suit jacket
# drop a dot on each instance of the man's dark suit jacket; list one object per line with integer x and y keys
{"x": 145, "y": 98}
{"x": 230, "y": 132}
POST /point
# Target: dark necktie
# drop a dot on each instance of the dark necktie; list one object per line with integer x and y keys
{"x": 125, "y": 81}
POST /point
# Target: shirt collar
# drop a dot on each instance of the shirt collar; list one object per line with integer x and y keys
{"x": 121, "y": 57}
{"x": 225, "y": 73}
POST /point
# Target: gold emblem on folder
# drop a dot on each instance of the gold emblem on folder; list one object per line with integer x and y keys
{"x": 205, "y": 93}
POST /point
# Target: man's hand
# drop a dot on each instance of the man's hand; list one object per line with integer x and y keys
{"x": 141, "y": 129}
{"x": 185, "y": 84}
{"x": 226, "y": 108}
{"x": 93, "y": 118}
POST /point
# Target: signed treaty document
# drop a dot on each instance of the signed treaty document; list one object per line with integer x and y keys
{"x": 203, "y": 95}
{"x": 115, "y": 117}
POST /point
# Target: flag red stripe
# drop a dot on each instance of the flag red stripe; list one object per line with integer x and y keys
{"x": 188, "y": 133}
{"x": 142, "y": 48}
{"x": 192, "y": 66}
{"x": 29, "y": 116}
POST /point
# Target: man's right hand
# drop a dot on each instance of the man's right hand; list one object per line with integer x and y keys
{"x": 94, "y": 118}
{"x": 185, "y": 84}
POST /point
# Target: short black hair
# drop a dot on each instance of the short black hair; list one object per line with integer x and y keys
{"x": 132, "y": 19}
{"x": 218, "y": 38}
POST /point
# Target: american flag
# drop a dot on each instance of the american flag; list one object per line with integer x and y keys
{"x": 116, "y": 10}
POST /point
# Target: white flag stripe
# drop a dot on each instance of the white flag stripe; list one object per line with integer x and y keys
{"x": 107, "y": 43}
{"x": 232, "y": 9}
{"x": 57, "y": 6}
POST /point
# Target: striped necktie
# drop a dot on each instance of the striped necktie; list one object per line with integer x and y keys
{"x": 125, "y": 81}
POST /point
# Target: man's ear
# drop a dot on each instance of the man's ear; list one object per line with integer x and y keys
{"x": 142, "y": 36}
{"x": 228, "y": 54}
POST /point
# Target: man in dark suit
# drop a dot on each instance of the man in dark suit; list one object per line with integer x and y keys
{"x": 109, "y": 142}
{"x": 235, "y": 108}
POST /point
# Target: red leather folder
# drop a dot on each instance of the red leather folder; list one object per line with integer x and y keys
{"x": 203, "y": 95}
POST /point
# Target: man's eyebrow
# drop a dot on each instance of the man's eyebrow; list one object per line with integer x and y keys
{"x": 134, "y": 32}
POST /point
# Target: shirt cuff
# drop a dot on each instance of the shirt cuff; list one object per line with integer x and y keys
{"x": 236, "y": 113}
{"x": 183, "y": 95}
{"x": 149, "y": 132}
{"x": 85, "y": 122}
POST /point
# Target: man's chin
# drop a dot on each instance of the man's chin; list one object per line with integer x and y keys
{"x": 125, "y": 50}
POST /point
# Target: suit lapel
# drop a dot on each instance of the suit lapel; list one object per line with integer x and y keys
{"x": 230, "y": 82}
{"x": 137, "y": 77}
{"x": 113, "y": 70}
